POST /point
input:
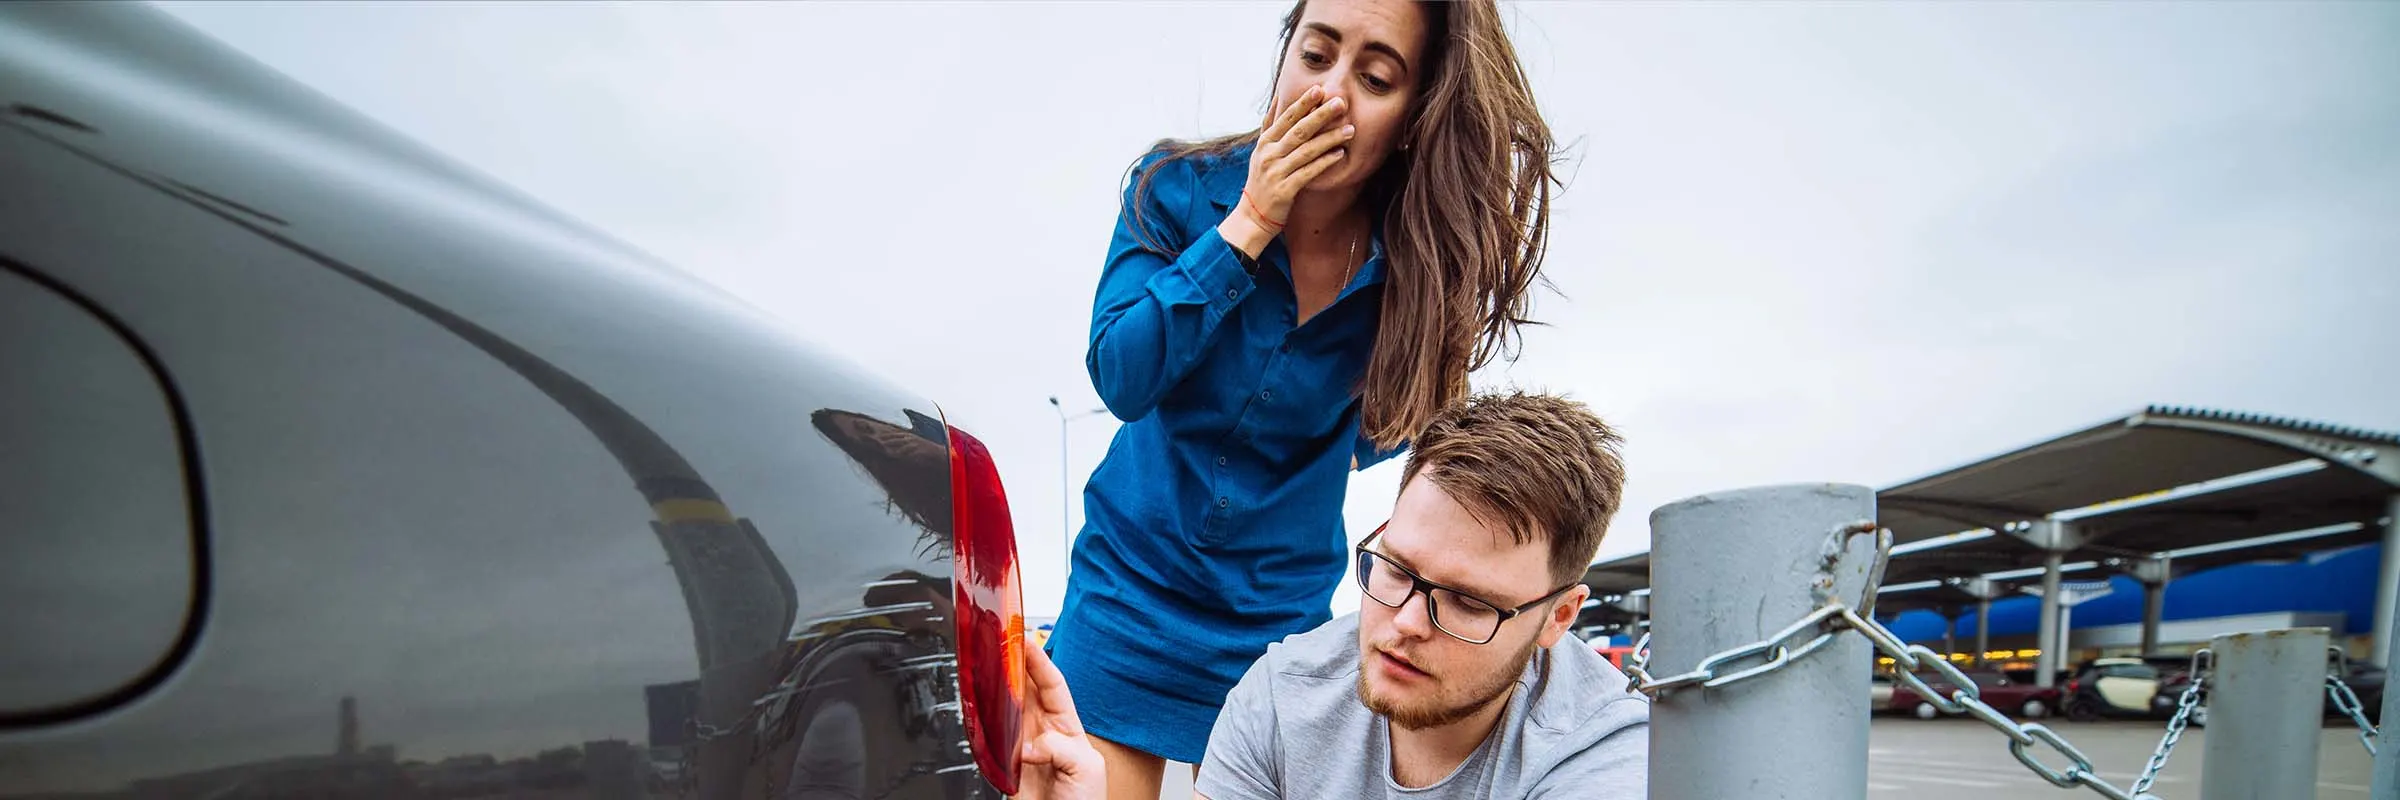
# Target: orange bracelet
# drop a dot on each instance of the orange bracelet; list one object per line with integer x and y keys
{"x": 1261, "y": 216}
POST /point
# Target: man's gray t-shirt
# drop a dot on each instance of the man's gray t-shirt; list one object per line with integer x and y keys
{"x": 1294, "y": 728}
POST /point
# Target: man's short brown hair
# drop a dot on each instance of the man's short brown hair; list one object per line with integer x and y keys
{"x": 1542, "y": 466}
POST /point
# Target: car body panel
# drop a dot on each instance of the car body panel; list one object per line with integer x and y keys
{"x": 1992, "y": 688}
{"x": 88, "y": 482}
{"x": 490, "y": 503}
{"x": 2118, "y": 687}
{"x": 2127, "y": 692}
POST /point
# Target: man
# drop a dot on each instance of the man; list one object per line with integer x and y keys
{"x": 1457, "y": 677}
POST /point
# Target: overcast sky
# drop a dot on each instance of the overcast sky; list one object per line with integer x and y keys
{"x": 1802, "y": 242}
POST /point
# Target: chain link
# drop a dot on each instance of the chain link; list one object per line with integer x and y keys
{"x": 1773, "y": 652}
{"x": 1832, "y": 615}
{"x": 2184, "y": 708}
{"x": 2346, "y": 701}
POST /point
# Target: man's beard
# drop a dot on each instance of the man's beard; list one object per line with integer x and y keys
{"x": 1429, "y": 713}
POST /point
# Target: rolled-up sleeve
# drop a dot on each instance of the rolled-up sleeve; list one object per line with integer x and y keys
{"x": 1365, "y": 454}
{"x": 1154, "y": 315}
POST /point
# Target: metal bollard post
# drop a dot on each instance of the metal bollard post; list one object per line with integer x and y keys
{"x": 2266, "y": 702}
{"x": 1732, "y": 569}
{"x": 2385, "y": 783}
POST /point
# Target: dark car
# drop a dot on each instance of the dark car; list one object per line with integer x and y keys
{"x": 330, "y": 468}
{"x": 1992, "y": 687}
{"x": 2116, "y": 687}
{"x": 2365, "y": 682}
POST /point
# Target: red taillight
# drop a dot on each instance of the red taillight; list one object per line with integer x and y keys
{"x": 991, "y": 611}
{"x": 2072, "y": 686}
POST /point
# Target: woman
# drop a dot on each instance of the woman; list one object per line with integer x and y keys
{"x": 1280, "y": 307}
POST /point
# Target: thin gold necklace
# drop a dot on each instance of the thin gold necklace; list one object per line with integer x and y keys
{"x": 1349, "y": 267}
{"x": 1349, "y": 264}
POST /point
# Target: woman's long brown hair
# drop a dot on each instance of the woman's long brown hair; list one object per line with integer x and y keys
{"x": 1466, "y": 218}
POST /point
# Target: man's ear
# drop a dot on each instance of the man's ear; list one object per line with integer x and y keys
{"x": 1562, "y": 616}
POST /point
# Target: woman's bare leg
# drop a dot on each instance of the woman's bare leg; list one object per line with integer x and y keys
{"x": 1132, "y": 774}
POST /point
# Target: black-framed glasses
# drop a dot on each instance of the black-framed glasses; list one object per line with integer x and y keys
{"x": 1464, "y": 616}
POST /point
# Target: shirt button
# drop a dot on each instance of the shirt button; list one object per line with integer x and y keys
{"x": 1232, "y": 293}
{"x": 1268, "y": 394}
{"x": 1220, "y": 461}
{"x": 1224, "y": 501}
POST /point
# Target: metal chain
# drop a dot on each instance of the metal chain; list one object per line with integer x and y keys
{"x": 2184, "y": 707}
{"x": 1773, "y": 650}
{"x": 2346, "y": 701}
{"x": 1831, "y": 616}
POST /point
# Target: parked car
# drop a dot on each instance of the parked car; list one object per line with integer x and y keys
{"x": 2365, "y": 680}
{"x": 1879, "y": 692}
{"x": 2114, "y": 687}
{"x": 335, "y": 469}
{"x": 1993, "y": 688}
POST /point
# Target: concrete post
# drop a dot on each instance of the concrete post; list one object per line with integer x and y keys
{"x": 1949, "y": 631}
{"x": 1639, "y": 606}
{"x": 2387, "y": 585}
{"x": 2066, "y": 632}
{"x": 2153, "y": 574}
{"x": 1983, "y": 629}
{"x": 2386, "y": 780}
{"x": 1983, "y": 590}
{"x": 2154, "y": 609}
{"x": 2046, "y": 666}
{"x": 1731, "y": 569}
{"x": 2266, "y": 695}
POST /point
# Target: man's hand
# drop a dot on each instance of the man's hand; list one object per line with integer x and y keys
{"x": 1057, "y": 762}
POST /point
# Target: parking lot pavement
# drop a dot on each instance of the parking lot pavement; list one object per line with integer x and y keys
{"x": 1961, "y": 759}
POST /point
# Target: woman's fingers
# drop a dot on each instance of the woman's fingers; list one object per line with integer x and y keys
{"x": 1317, "y": 120}
{"x": 1308, "y": 174}
{"x": 1282, "y": 122}
{"x": 1309, "y": 151}
{"x": 1297, "y": 136}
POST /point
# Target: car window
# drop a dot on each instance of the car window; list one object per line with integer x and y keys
{"x": 96, "y": 539}
{"x": 1933, "y": 678}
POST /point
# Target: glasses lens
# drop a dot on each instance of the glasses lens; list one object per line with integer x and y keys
{"x": 1383, "y": 580}
{"x": 1465, "y": 617}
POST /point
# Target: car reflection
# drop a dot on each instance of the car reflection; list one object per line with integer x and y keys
{"x": 911, "y": 464}
{"x": 856, "y": 704}
{"x": 821, "y": 655}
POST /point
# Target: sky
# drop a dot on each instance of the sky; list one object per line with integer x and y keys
{"x": 1856, "y": 243}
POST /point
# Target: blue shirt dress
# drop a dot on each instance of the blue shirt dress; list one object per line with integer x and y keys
{"x": 1214, "y": 525}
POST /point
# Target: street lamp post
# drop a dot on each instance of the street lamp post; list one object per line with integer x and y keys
{"x": 1066, "y": 481}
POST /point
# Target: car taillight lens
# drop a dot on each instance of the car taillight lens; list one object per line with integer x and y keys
{"x": 991, "y": 611}
{"x": 2072, "y": 685}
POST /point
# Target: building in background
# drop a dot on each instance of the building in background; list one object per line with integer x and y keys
{"x": 2334, "y": 589}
